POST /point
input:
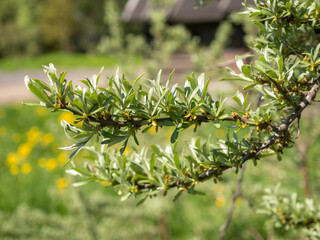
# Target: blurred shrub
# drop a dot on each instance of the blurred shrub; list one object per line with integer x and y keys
{"x": 165, "y": 39}
{"x": 202, "y": 56}
{"x": 57, "y": 24}
{"x": 35, "y": 26}
{"x": 18, "y": 27}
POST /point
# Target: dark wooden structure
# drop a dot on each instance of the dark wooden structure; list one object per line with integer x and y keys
{"x": 201, "y": 22}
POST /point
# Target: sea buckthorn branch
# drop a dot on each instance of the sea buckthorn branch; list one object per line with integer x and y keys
{"x": 116, "y": 113}
{"x": 122, "y": 109}
{"x": 174, "y": 171}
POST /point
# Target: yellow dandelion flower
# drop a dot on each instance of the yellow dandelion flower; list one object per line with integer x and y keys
{"x": 61, "y": 184}
{"x": 219, "y": 133}
{"x": 2, "y": 113}
{"x": 14, "y": 170}
{"x": 33, "y": 135}
{"x": 51, "y": 164}
{"x": 25, "y": 149}
{"x": 47, "y": 139}
{"x": 41, "y": 111}
{"x": 67, "y": 116}
{"x": 12, "y": 159}
{"x": 3, "y": 131}
{"x": 42, "y": 162}
{"x": 62, "y": 158}
{"x": 16, "y": 137}
{"x": 220, "y": 201}
{"x": 26, "y": 168}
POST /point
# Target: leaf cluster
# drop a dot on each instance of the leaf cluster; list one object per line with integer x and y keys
{"x": 290, "y": 213}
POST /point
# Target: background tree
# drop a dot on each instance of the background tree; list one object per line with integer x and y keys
{"x": 19, "y": 30}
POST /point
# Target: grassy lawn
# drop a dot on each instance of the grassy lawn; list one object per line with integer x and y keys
{"x": 63, "y": 60}
{"x": 37, "y": 195}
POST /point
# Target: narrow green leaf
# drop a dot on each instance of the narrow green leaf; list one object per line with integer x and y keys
{"x": 156, "y": 149}
{"x": 239, "y": 62}
{"x": 152, "y": 162}
{"x": 174, "y": 136}
{"x": 280, "y": 65}
{"x": 177, "y": 196}
{"x": 146, "y": 129}
{"x": 170, "y": 79}
{"x": 124, "y": 146}
{"x": 159, "y": 101}
{"x": 42, "y": 84}
{"x": 62, "y": 77}
{"x": 126, "y": 197}
{"x": 159, "y": 77}
{"x": 40, "y": 94}
{"x": 108, "y": 134}
{"x": 176, "y": 161}
{"x": 137, "y": 80}
{"x": 136, "y": 168}
{"x": 142, "y": 201}
{"x": 201, "y": 81}
{"x": 316, "y": 53}
{"x": 246, "y": 71}
{"x": 136, "y": 139}
{"x": 113, "y": 141}
{"x": 75, "y": 152}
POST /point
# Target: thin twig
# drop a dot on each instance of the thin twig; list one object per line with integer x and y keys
{"x": 279, "y": 88}
{"x": 291, "y": 48}
{"x": 89, "y": 216}
{"x": 236, "y": 195}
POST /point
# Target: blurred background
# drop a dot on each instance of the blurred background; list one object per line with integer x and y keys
{"x": 37, "y": 199}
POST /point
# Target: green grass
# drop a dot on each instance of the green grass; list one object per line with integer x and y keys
{"x": 63, "y": 60}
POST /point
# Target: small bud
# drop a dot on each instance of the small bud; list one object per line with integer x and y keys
{"x": 154, "y": 123}
{"x": 27, "y": 81}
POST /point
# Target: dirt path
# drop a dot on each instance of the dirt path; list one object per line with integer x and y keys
{"x": 13, "y": 88}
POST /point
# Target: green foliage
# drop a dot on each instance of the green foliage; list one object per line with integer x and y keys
{"x": 290, "y": 213}
{"x": 57, "y": 24}
{"x": 114, "y": 43}
{"x": 202, "y": 56}
{"x": 29, "y": 28}
{"x": 19, "y": 32}
{"x": 165, "y": 41}
{"x": 284, "y": 70}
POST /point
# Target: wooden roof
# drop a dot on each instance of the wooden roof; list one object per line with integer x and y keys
{"x": 183, "y": 11}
